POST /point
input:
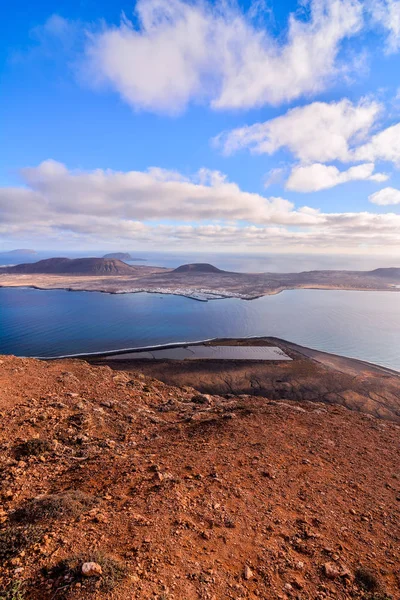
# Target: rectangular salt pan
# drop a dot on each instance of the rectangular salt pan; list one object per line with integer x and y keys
{"x": 208, "y": 353}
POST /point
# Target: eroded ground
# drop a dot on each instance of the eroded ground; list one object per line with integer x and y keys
{"x": 311, "y": 375}
{"x": 182, "y": 496}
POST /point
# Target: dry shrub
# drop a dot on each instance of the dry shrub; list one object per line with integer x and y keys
{"x": 52, "y": 506}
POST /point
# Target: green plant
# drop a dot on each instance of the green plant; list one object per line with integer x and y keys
{"x": 14, "y": 592}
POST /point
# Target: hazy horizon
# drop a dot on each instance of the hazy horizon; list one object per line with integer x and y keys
{"x": 278, "y": 130}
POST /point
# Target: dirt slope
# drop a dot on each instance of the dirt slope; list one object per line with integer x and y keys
{"x": 311, "y": 375}
{"x": 180, "y": 496}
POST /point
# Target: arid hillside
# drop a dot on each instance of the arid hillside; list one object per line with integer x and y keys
{"x": 80, "y": 266}
{"x": 310, "y": 375}
{"x": 197, "y": 280}
{"x": 182, "y": 496}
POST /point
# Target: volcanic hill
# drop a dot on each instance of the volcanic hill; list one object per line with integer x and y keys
{"x": 179, "y": 495}
{"x": 194, "y": 268}
{"x": 388, "y": 273}
{"x": 124, "y": 256}
{"x": 76, "y": 266}
{"x": 19, "y": 252}
{"x": 197, "y": 280}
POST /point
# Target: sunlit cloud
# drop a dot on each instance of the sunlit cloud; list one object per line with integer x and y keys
{"x": 167, "y": 208}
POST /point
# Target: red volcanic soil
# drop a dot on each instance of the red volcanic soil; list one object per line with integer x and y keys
{"x": 177, "y": 495}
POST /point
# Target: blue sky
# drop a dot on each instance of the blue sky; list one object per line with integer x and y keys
{"x": 201, "y": 125}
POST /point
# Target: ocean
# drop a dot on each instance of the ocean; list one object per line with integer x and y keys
{"x": 364, "y": 325}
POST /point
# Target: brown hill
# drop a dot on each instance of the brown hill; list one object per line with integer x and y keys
{"x": 76, "y": 266}
{"x": 181, "y": 496}
{"x": 194, "y": 268}
{"x": 311, "y": 375}
{"x": 19, "y": 251}
{"x": 389, "y": 273}
{"x": 118, "y": 255}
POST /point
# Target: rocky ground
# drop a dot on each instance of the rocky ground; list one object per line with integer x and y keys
{"x": 176, "y": 495}
{"x": 310, "y": 375}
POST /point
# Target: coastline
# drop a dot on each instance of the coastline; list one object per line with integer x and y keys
{"x": 320, "y": 356}
{"x": 208, "y": 294}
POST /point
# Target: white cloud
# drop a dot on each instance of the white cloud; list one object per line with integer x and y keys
{"x": 162, "y": 208}
{"x": 54, "y": 192}
{"x": 199, "y": 51}
{"x": 150, "y": 195}
{"x": 384, "y": 145}
{"x": 385, "y": 197}
{"x": 274, "y": 176}
{"x": 315, "y": 177}
{"x": 387, "y": 14}
{"x": 317, "y": 132}
{"x": 321, "y": 133}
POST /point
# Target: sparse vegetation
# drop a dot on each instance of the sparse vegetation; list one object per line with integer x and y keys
{"x": 15, "y": 591}
{"x": 69, "y": 572}
{"x": 70, "y": 503}
{"x": 14, "y": 539}
{"x": 367, "y": 580}
{"x": 177, "y": 502}
{"x": 33, "y": 447}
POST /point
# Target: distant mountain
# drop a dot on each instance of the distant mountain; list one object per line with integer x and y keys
{"x": 19, "y": 252}
{"x": 198, "y": 268}
{"x": 119, "y": 255}
{"x": 77, "y": 266}
{"x": 389, "y": 273}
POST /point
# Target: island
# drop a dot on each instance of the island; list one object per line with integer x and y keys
{"x": 19, "y": 252}
{"x": 200, "y": 281}
{"x": 124, "y": 256}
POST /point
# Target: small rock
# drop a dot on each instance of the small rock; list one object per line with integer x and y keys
{"x": 331, "y": 570}
{"x": 248, "y": 573}
{"x": 200, "y": 399}
{"x": 140, "y": 520}
{"x": 91, "y": 569}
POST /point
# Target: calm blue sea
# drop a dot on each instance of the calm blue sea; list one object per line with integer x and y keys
{"x": 364, "y": 325}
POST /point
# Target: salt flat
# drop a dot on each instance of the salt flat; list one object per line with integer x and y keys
{"x": 207, "y": 353}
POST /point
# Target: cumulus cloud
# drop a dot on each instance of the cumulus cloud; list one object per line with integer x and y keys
{"x": 160, "y": 207}
{"x": 315, "y": 177}
{"x": 387, "y": 14}
{"x": 151, "y": 195}
{"x": 385, "y": 197}
{"x": 322, "y": 132}
{"x": 384, "y": 145}
{"x": 178, "y": 52}
{"x": 319, "y": 131}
